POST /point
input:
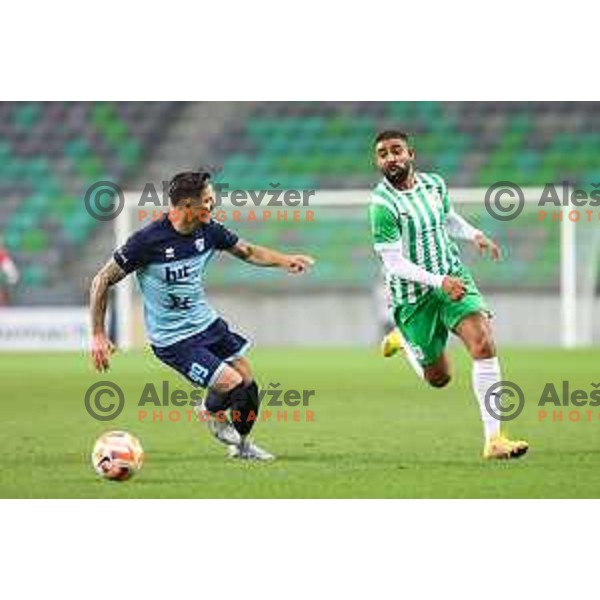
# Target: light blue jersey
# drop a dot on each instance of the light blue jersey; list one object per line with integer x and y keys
{"x": 170, "y": 270}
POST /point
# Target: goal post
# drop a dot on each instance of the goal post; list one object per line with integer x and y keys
{"x": 555, "y": 258}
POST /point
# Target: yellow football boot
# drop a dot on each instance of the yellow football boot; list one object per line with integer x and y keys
{"x": 501, "y": 447}
{"x": 392, "y": 343}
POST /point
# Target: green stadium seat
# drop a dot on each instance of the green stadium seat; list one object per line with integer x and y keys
{"x": 5, "y": 151}
{"x": 528, "y": 160}
{"x": 77, "y": 149}
{"x": 25, "y": 219}
{"x": 90, "y": 168}
{"x": 295, "y": 164}
{"x": 512, "y": 140}
{"x": 115, "y": 132}
{"x": 35, "y": 240}
{"x": 27, "y": 114}
{"x": 262, "y": 129}
{"x": 429, "y": 110}
{"x": 12, "y": 238}
{"x": 402, "y": 110}
{"x": 444, "y": 126}
{"x": 38, "y": 203}
{"x": 62, "y": 205}
{"x": 129, "y": 151}
{"x": 521, "y": 123}
{"x": 34, "y": 276}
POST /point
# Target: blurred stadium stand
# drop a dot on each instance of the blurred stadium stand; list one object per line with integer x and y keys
{"x": 328, "y": 145}
{"x": 51, "y": 152}
{"x": 474, "y": 144}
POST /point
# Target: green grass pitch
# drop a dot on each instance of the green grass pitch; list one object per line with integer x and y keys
{"x": 377, "y": 432}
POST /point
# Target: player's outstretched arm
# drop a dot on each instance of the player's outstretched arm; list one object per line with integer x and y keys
{"x": 102, "y": 347}
{"x": 460, "y": 229}
{"x": 266, "y": 257}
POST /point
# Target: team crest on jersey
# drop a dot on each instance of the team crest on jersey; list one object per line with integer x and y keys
{"x": 199, "y": 243}
{"x": 436, "y": 194}
{"x": 170, "y": 252}
{"x": 122, "y": 255}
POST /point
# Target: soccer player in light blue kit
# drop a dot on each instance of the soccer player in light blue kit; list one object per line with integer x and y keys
{"x": 169, "y": 258}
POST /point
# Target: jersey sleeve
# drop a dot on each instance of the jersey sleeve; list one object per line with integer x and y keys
{"x": 385, "y": 230}
{"x": 459, "y": 228}
{"x": 224, "y": 238}
{"x": 132, "y": 255}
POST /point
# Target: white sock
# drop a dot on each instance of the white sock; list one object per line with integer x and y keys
{"x": 412, "y": 360}
{"x": 486, "y": 372}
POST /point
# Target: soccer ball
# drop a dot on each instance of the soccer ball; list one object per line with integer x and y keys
{"x": 117, "y": 455}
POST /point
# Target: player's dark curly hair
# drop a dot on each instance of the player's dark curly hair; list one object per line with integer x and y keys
{"x": 188, "y": 184}
{"x": 391, "y": 134}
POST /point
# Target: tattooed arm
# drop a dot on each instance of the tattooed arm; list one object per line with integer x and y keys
{"x": 266, "y": 257}
{"x": 102, "y": 347}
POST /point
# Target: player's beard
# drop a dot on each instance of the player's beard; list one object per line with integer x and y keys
{"x": 398, "y": 173}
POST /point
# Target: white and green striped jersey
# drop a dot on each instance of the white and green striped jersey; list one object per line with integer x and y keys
{"x": 415, "y": 221}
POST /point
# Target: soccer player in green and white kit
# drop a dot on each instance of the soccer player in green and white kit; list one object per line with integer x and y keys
{"x": 432, "y": 291}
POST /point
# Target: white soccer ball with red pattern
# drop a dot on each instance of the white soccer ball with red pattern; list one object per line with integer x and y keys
{"x": 117, "y": 455}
